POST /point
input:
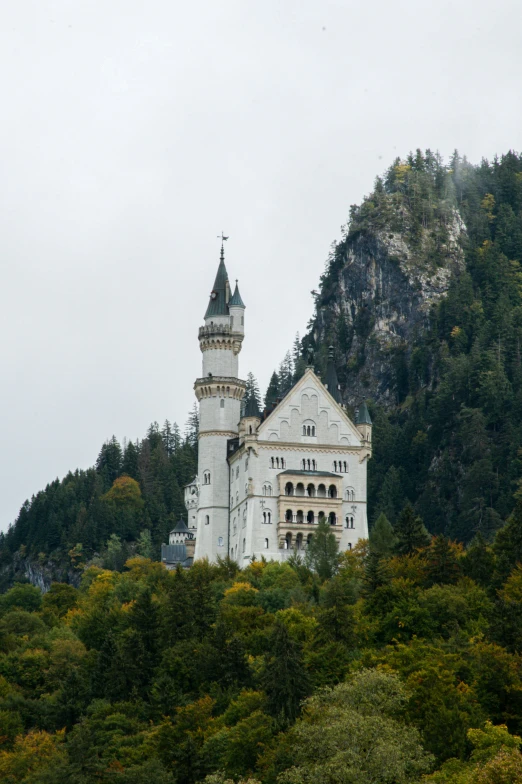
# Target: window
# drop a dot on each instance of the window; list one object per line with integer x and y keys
{"x": 314, "y": 465}
{"x": 267, "y": 489}
{"x": 332, "y": 491}
{"x": 250, "y": 429}
{"x": 234, "y": 527}
{"x": 206, "y": 478}
{"x": 272, "y": 459}
{"x": 349, "y": 545}
{"x": 244, "y": 545}
{"x": 309, "y": 428}
{"x": 277, "y": 462}
{"x": 349, "y": 521}
{"x": 207, "y": 520}
{"x": 269, "y": 517}
{"x": 332, "y": 519}
{"x": 220, "y": 541}
{"x": 222, "y": 403}
{"x": 266, "y": 544}
{"x": 310, "y": 518}
{"x": 340, "y": 467}
{"x": 350, "y": 494}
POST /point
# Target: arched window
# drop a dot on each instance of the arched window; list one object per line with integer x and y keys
{"x": 332, "y": 491}
{"x": 310, "y": 517}
{"x": 207, "y": 520}
{"x": 309, "y": 539}
{"x": 269, "y": 517}
{"x": 250, "y": 429}
{"x": 349, "y": 545}
{"x": 345, "y": 467}
{"x": 267, "y": 489}
{"x": 299, "y": 489}
{"x": 304, "y": 465}
{"x": 277, "y": 462}
{"x": 310, "y": 491}
{"x": 313, "y": 430}
{"x": 332, "y": 518}
{"x": 222, "y": 403}
{"x": 314, "y": 465}
{"x": 299, "y": 516}
{"x": 304, "y": 430}
{"x": 321, "y": 491}
{"x": 289, "y": 488}
{"x": 283, "y": 463}
{"x": 350, "y": 494}
{"x": 220, "y": 541}
{"x": 308, "y": 431}
{"x": 266, "y": 544}
{"x": 244, "y": 545}
{"x": 272, "y": 461}
{"x": 288, "y": 541}
{"x": 299, "y": 542}
{"x": 264, "y": 517}
{"x": 288, "y": 516}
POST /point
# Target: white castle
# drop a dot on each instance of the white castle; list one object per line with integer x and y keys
{"x": 264, "y": 479}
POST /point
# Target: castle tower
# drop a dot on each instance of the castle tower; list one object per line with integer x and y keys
{"x": 219, "y": 392}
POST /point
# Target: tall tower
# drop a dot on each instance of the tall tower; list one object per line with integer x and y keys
{"x": 219, "y": 392}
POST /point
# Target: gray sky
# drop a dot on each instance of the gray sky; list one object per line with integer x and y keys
{"x": 133, "y": 131}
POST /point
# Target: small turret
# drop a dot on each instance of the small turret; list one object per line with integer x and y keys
{"x": 236, "y": 308}
{"x": 250, "y": 420}
{"x": 332, "y": 382}
{"x": 363, "y": 422}
{"x": 220, "y": 294}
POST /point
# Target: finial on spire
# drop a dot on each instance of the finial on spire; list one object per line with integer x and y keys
{"x": 223, "y": 239}
{"x": 330, "y": 352}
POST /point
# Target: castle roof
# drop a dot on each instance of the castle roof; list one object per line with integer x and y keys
{"x": 332, "y": 382}
{"x": 180, "y": 527}
{"x": 235, "y": 300}
{"x": 251, "y": 408}
{"x": 218, "y": 305}
{"x": 362, "y": 416}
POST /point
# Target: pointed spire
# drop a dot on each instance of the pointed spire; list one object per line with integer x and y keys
{"x": 218, "y": 305}
{"x": 251, "y": 408}
{"x": 362, "y": 415}
{"x": 332, "y": 382}
{"x": 235, "y": 300}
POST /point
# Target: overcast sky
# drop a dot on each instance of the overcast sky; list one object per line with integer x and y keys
{"x": 133, "y": 131}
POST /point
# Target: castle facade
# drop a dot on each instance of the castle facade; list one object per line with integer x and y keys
{"x": 265, "y": 478}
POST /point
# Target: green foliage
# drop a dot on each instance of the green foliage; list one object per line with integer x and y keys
{"x": 322, "y": 552}
{"x": 410, "y": 533}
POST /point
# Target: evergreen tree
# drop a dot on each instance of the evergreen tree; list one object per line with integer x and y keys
{"x": 109, "y": 462}
{"x": 382, "y": 537}
{"x": 272, "y": 393}
{"x": 252, "y": 391}
{"x": 192, "y": 427}
{"x": 410, "y": 532}
{"x": 284, "y": 678}
{"x": 322, "y": 554}
{"x": 442, "y": 559}
{"x": 286, "y": 374}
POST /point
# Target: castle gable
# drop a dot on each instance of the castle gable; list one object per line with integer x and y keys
{"x": 309, "y": 415}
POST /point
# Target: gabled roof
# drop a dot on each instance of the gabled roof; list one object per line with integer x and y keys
{"x": 306, "y": 378}
{"x": 235, "y": 300}
{"x": 218, "y": 305}
{"x": 362, "y": 416}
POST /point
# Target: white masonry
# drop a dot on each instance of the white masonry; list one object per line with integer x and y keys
{"x": 264, "y": 480}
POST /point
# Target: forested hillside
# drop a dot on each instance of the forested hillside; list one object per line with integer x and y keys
{"x": 126, "y": 503}
{"x": 422, "y": 299}
{"x": 378, "y": 665}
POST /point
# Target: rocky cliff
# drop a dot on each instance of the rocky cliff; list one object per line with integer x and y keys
{"x": 394, "y": 263}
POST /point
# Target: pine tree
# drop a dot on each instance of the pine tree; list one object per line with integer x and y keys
{"x": 252, "y": 391}
{"x": 284, "y": 680}
{"x": 322, "y": 554}
{"x": 130, "y": 461}
{"x": 442, "y": 562}
{"x": 286, "y": 374}
{"x": 410, "y": 532}
{"x": 382, "y": 537}
{"x": 109, "y": 462}
{"x": 272, "y": 393}
{"x": 192, "y": 427}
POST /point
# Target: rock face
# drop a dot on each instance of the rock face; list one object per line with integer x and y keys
{"x": 377, "y": 297}
{"x": 40, "y": 574}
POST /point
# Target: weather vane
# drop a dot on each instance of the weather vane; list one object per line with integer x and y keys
{"x": 222, "y": 238}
